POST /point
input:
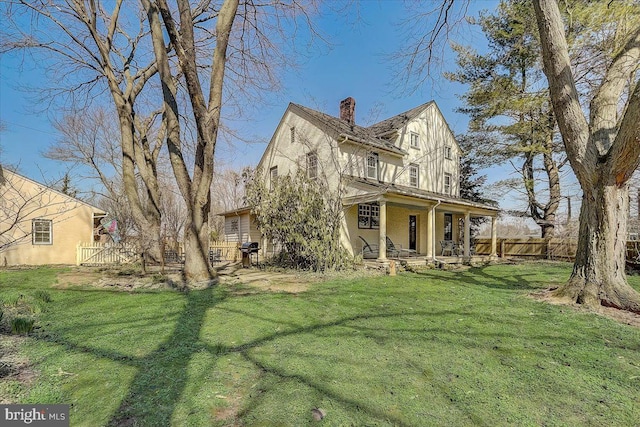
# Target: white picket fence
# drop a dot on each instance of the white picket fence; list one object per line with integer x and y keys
{"x": 105, "y": 253}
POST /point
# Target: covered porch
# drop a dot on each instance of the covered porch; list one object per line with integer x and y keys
{"x": 420, "y": 226}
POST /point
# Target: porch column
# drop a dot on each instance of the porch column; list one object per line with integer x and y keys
{"x": 494, "y": 236}
{"x": 382, "y": 243}
{"x": 467, "y": 235}
{"x": 430, "y": 232}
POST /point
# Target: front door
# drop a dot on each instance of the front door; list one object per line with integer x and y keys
{"x": 412, "y": 231}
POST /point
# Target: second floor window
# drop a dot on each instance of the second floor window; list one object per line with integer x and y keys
{"x": 273, "y": 172}
{"x": 372, "y": 166}
{"x": 414, "y": 176}
{"x": 414, "y": 141}
{"x": 42, "y": 232}
{"x": 312, "y": 165}
{"x": 447, "y": 183}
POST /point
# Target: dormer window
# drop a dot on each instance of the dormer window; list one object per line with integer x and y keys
{"x": 414, "y": 140}
{"x": 372, "y": 166}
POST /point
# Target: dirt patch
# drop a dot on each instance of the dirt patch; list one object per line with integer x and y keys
{"x": 266, "y": 280}
{"x": 125, "y": 279}
{"x": 621, "y": 316}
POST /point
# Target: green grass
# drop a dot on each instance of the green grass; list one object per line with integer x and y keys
{"x": 420, "y": 349}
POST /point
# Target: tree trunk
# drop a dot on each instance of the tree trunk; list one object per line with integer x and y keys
{"x": 598, "y": 276}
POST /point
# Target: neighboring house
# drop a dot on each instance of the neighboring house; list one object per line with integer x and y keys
{"x": 40, "y": 225}
{"x": 398, "y": 178}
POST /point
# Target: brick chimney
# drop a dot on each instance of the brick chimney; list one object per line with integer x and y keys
{"x": 348, "y": 110}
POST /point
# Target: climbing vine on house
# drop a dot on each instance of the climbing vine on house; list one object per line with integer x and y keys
{"x": 301, "y": 217}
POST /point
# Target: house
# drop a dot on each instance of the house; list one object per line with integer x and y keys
{"x": 398, "y": 178}
{"x": 40, "y": 225}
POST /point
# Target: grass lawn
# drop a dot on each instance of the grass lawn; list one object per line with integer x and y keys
{"x": 436, "y": 348}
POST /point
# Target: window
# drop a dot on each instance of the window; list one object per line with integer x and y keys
{"x": 447, "y": 152}
{"x": 369, "y": 215}
{"x": 234, "y": 225}
{"x": 293, "y": 134}
{"x": 372, "y": 166}
{"x": 312, "y": 165}
{"x": 273, "y": 173}
{"x": 414, "y": 140}
{"x": 447, "y": 183}
{"x": 42, "y": 232}
{"x": 414, "y": 177}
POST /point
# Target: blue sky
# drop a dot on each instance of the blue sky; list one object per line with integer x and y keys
{"x": 354, "y": 66}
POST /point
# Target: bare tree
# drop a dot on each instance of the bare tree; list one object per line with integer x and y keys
{"x": 91, "y": 50}
{"x": 240, "y": 51}
{"x": 604, "y": 151}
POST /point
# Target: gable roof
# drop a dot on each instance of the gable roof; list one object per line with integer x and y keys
{"x": 3, "y": 179}
{"x": 398, "y": 121}
{"x": 352, "y": 132}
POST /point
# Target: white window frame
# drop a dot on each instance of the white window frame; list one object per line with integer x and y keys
{"x": 414, "y": 140}
{"x": 312, "y": 165}
{"x": 369, "y": 215}
{"x": 414, "y": 175}
{"x": 41, "y": 231}
{"x": 448, "y": 152}
{"x": 372, "y": 170}
{"x": 448, "y": 179}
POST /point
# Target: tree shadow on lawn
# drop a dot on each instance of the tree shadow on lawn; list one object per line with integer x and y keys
{"x": 162, "y": 376}
{"x": 478, "y": 276}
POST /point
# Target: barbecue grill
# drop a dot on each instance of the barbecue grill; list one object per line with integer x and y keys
{"x": 249, "y": 249}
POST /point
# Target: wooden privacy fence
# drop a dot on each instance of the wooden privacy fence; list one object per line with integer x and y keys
{"x": 224, "y": 251}
{"x": 559, "y": 249}
{"x": 105, "y": 253}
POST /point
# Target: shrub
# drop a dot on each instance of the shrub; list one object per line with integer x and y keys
{"x": 22, "y": 325}
{"x": 42, "y": 295}
{"x": 302, "y": 217}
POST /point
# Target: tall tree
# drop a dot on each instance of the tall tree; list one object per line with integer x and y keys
{"x": 603, "y": 148}
{"x": 242, "y": 53}
{"x": 93, "y": 50}
{"x": 510, "y": 110}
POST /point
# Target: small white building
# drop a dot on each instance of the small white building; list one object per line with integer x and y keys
{"x": 399, "y": 178}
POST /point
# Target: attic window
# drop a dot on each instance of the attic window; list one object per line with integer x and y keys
{"x": 414, "y": 140}
{"x": 41, "y": 232}
{"x": 447, "y": 152}
{"x": 293, "y": 134}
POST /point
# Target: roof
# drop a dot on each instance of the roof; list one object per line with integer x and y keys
{"x": 352, "y": 132}
{"x": 398, "y": 121}
{"x": 402, "y": 190}
{"x": 60, "y": 193}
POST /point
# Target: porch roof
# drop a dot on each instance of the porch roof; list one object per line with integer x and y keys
{"x": 380, "y": 191}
